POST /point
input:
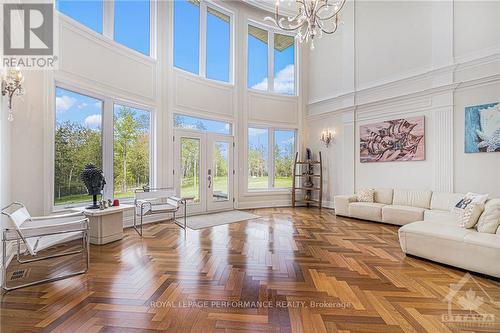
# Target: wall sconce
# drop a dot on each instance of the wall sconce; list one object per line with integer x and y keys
{"x": 327, "y": 137}
{"x": 12, "y": 84}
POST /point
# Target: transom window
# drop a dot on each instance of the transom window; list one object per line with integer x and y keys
{"x": 128, "y": 22}
{"x": 81, "y": 137}
{"x": 270, "y": 168}
{"x": 270, "y": 70}
{"x": 201, "y": 124}
{"x": 203, "y": 49}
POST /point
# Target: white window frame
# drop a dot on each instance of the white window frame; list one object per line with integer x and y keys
{"x": 202, "y": 61}
{"x": 133, "y": 105}
{"x": 270, "y": 157}
{"x": 271, "y": 31}
{"x": 179, "y": 113}
{"x": 107, "y": 140}
{"x": 108, "y": 27}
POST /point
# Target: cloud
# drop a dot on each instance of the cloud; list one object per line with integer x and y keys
{"x": 257, "y": 132}
{"x": 289, "y": 141}
{"x": 82, "y": 105}
{"x": 64, "y": 103}
{"x": 262, "y": 85}
{"x": 284, "y": 81}
{"x": 93, "y": 121}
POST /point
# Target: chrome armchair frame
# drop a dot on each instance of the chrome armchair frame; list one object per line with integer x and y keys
{"x": 146, "y": 203}
{"x": 41, "y": 227}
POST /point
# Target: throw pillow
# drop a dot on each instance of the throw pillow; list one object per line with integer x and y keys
{"x": 469, "y": 209}
{"x": 469, "y": 217}
{"x": 366, "y": 195}
{"x": 489, "y": 221}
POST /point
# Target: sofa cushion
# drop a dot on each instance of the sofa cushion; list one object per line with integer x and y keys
{"x": 445, "y": 201}
{"x": 414, "y": 198}
{"x": 401, "y": 215}
{"x": 482, "y": 239}
{"x": 452, "y": 245}
{"x": 384, "y": 195}
{"x": 489, "y": 221}
{"x": 366, "y": 210}
{"x": 440, "y": 216}
{"x": 437, "y": 230}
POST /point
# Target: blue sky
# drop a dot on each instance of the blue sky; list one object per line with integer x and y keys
{"x": 88, "y": 13}
{"x": 213, "y": 126}
{"x": 78, "y": 109}
{"x": 131, "y": 19}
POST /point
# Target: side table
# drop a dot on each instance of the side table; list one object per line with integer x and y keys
{"x": 106, "y": 225}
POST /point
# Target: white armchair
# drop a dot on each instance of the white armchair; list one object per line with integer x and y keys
{"x": 150, "y": 201}
{"x": 41, "y": 233}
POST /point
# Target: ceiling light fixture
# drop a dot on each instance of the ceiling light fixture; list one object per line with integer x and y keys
{"x": 314, "y": 17}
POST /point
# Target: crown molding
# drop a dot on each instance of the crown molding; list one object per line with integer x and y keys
{"x": 393, "y": 92}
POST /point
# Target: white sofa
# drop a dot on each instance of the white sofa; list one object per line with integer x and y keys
{"x": 429, "y": 230}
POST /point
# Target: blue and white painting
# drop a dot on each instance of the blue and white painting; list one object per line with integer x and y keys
{"x": 482, "y": 128}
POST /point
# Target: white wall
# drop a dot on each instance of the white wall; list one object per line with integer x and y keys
{"x": 99, "y": 66}
{"x": 408, "y": 58}
{"x": 478, "y": 172}
{"x": 5, "y": 144}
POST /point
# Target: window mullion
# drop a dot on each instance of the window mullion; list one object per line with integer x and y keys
{"x": 203, "y": 38}
{"x": 108, "y": 17}
{"x": 107, "y": 144}
{"x": 270, "y": 164}
{"x": 270, "y": 65}
{"x": 153, "y": 31}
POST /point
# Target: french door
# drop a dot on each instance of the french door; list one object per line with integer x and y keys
{"x": 204, "y": 170}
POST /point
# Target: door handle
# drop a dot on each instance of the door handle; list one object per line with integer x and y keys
{"x": 209, "y": 178}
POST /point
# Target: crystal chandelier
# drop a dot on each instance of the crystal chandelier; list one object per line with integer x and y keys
{"x": 313, "y": 18}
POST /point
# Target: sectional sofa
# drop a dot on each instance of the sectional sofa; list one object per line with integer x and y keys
{"x": 429, "y": 229}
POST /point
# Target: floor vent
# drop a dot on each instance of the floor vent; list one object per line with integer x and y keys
{"x": 18, "y": 274}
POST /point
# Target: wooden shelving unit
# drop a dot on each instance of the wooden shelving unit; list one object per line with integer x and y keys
{"x": 299, "y": 173}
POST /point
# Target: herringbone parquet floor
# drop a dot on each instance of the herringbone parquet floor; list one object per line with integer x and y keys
{"x": 293, "y": 270}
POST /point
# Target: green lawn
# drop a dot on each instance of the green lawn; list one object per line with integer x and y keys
{"x": 187, "y": 190}
{"x": 80, "y": 198}
{"x": 261, "y": 182}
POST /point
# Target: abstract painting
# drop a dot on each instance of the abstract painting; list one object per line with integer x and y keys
{"x": 393, "y": 140}
{"x": 482, "y": 128}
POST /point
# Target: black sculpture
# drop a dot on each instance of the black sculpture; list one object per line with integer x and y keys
{"x": 94, "y": 180}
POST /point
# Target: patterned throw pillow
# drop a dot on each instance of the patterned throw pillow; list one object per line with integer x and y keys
{"x": 365, "y": 195}
{"x": 470, "y": 215}
{"x": 489, "y": 222}
{"x": 469, "y": 209}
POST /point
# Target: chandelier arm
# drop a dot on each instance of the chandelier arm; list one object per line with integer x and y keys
{"x": 328, "y": 32}
{"x": 290, "y": 27}
{"x": 278, "y": 20}
{"x": 333, "y": 14}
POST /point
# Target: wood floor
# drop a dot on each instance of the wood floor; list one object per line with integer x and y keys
{"x": 293, "y": 270}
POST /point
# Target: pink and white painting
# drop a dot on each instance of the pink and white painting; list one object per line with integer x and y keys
{"x": 393, "y": 140}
